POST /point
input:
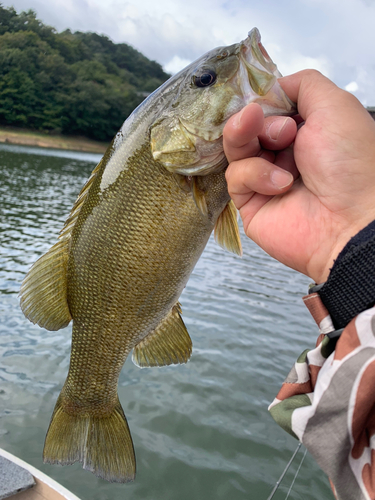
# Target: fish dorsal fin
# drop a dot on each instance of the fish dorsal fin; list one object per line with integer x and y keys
{"x": 227, "y": 233}
{"x": 43, "y": 294}
{"x": 74, "y": 213}
{"x": 168, "y": 344}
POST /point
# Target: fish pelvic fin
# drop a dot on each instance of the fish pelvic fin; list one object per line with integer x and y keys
{"x": 43, "y": 294}
{"x": 227, "y": 233}
{"x": 102, "y": 444}
{"x": 168, "y": 344}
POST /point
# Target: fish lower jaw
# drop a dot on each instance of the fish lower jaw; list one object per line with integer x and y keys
{"x": 272, "y": 106}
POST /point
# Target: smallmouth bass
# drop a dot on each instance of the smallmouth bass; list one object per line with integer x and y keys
{"x": 131, "y": 241}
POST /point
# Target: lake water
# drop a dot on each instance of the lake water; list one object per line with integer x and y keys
{"x": 202, "y": 430}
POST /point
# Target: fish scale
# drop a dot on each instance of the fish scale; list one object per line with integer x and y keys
{"x": 131, "y": 242}
{"x": 175, "y": 235}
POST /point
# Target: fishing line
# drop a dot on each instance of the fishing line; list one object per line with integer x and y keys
{"x": 284, "y": 472}
{"x": 296, "y": 474}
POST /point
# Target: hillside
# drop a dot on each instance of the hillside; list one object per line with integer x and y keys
{"x": 68, "y": 83}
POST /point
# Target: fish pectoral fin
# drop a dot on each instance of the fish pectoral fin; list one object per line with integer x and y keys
{"x": 199, "y": 196}
{"x": 193, "y": 185}
{"x": 168, "y": 344}
{"x": 43, "y": 294}
{"x": 227, "y": 233}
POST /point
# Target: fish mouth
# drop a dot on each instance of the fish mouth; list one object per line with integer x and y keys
{"x": 261, "y": 83}
{"x": 259, "y": 53}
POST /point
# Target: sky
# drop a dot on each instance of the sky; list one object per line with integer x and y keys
{"x": 337, "y": 37}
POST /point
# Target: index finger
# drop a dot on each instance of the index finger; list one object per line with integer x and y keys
{"x": 310, "y": 90}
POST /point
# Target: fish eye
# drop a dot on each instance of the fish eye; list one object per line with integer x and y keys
{"x": 207, "y": 78}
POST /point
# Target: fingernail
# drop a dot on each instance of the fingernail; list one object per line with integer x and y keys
{"x": 238, "y": 116}
{"x": 237, "y": 119}
{"x": 281, "y": 178}
{"x": 275, "y": 129}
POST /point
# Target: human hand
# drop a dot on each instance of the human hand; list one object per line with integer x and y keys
{"x": 303, "y": 202}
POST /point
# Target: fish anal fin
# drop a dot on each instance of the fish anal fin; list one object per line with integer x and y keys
{"x": 102, "y": 443}
{"x": 43, "y": 294}
{"x": 168, "y": 344}
{"x": 227, "y": 233}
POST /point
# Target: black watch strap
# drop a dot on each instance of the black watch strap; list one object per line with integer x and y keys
{"x": 350, "y": 287}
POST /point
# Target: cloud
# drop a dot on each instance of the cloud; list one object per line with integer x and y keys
{"x": 299, "y": 62}
{"x": 333, "y": 36}
{"x": 291, "y": 62}
{"x": 352, "y": 87}
{"x": 176, "y": 64}
{"x": 362, "y": 86}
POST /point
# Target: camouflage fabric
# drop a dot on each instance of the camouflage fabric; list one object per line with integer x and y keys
{"x": 328, "y": 402}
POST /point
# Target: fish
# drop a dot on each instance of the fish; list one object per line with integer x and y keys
{"x": 131, "y": 241}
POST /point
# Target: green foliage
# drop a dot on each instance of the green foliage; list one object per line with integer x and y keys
{"x": 73, "y": 83}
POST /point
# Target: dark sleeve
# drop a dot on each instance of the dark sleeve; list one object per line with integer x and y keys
{"x": 350, "y": 287}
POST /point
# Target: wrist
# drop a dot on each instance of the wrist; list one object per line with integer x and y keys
{"x": 325, "y": 259}
{"x": 350, "y": 287}
{"x": 324, "y": 273}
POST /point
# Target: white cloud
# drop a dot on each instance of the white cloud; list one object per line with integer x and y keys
{"x": 176, "y": 64}
{"x": 299, "y": 62}
{"x": 291, "y": 62}
{"x": 352, "y": 87}
{"x": 333, "y": 36}
{"x": 362, "y": 86}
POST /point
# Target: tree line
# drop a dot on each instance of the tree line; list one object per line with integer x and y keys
{"x": 70, "y": 83}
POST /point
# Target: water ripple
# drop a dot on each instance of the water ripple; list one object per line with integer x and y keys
{"x": 200, "y": 430}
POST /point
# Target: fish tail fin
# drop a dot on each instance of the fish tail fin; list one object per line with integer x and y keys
{"x": 103, "y": 444}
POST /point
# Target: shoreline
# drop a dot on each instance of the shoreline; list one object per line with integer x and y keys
{"x": 23, "y": 137}
{"x": 26, "y": 137}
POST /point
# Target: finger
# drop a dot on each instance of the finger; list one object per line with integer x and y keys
{"x": 251, "y": 175}
{"x": 251, "y": 208}
{"x": 240, "y": 135}
{"x": 310, "y": 90}
{"x": 267, "y": 155}
{"x": 298, "y": 119}
{"x": 285, "y": 160}
{"x": 278, "y": 133}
